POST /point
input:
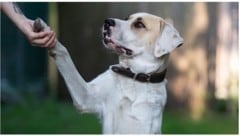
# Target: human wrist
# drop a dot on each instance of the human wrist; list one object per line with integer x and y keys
{"x": 22, "y": 24}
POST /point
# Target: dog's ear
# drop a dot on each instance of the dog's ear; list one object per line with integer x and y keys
{"x": 168, "y": 40}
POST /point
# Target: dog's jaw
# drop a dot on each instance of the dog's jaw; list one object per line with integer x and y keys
{"x": 110, "y": 43}
{"x": 147, "y": 65}
{"x": 136, "y": 40}
{"x": 116, "y": 47}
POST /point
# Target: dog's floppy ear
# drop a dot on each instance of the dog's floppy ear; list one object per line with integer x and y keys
{"x": 168, "y": 40}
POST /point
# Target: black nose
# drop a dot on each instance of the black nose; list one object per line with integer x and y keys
{"x": 109, "y": 22}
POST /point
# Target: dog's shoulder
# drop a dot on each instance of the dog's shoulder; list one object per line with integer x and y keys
{"x": 103, "y": 78}
{"x": 105, "y": 81}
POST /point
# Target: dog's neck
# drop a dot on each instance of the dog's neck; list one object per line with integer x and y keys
{"x": 144, "y": 64}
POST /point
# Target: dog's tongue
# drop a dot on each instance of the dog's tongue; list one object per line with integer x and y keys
{"x": 108, "y": 40}
{"x": 124, "y": 50}
{"x": 117, "y": 47}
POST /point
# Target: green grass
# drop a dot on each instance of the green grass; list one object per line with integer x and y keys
{"x": 51, "y": 117}
{"x": 211, "y": 123}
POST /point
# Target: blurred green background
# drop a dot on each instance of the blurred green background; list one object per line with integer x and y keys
{"x": 202, "y": 76}
{"x": 56, "y": 117}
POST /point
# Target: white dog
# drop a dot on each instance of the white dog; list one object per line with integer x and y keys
{"x": 129, "y": 97}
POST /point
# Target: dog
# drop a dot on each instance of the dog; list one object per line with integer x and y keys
{"x": 129, "y": 97}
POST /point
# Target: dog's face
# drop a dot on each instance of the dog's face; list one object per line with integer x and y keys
{"x": 140, "y": 34}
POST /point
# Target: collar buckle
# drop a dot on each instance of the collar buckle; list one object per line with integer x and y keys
{"x": 143, "y": 77}
{"x": 149, "y": 78}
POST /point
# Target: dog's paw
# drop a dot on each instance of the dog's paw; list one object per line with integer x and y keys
{"x": 39, "y": 25}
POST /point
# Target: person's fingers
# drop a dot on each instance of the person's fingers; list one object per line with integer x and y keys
{"x": 50, "y": 41}
{"x": 34, "y": 36}
{"x": 41, "y": 34}
{"x": 42, "y": 40}
{"x": 54, "y": 43}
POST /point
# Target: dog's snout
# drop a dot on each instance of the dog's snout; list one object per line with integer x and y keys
{"x": 109, "y": 22}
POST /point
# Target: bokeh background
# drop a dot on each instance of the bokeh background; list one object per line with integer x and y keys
{"x": 203, "y": 75}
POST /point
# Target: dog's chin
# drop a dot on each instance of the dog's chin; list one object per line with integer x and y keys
{"x": 116, "y": 47}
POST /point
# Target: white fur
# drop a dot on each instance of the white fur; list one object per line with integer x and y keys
{"x": 169, "y": 37}
{"x": 125, "y": 106}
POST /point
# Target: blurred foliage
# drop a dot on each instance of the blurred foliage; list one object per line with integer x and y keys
{"x": 189, "y": 80}
{"x": 201, "y": 64}
{"x": 53, "y": 117}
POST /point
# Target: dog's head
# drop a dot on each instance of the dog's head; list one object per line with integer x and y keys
{"x": 140, "y": 34}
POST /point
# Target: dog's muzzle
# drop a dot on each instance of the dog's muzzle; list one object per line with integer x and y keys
{"x": 109, "y": 42}
{"x": 107, "y": 30}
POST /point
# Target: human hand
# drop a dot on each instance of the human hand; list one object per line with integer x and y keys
{"x": 45, "y": 38}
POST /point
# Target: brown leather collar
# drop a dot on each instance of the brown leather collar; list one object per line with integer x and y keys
{"x": 152, "y": 78}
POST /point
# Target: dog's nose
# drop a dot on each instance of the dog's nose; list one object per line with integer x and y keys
{"x": 109, "y": 22}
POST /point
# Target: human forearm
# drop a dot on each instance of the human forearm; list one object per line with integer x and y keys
{"x": 14, "y": 13}
{"x": 43, "y": 39}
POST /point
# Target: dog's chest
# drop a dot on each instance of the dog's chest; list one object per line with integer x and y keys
{"x": 134, "y": 107}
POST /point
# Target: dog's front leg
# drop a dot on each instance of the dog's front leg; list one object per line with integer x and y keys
{"x": 76, "y": 85}
{"x": 82, "y": 94}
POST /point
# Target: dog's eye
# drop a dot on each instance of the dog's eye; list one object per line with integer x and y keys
{"x": 139, "y": 24}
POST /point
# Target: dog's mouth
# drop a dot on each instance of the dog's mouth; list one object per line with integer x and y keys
{"x": 115, "y": 45}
